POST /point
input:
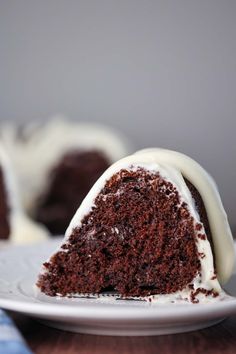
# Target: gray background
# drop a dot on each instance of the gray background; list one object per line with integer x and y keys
{"x": 162, "y": 71}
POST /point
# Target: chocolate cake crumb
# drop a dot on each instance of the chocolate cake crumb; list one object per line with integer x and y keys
{"x": 198, "y": 227}
{"x": 4, "y": 210}
{"x": 206, "y": 292}
{"x": 69, "y": 183}
{"x": 202, "y": 236}
{"x": 143, "y": 242}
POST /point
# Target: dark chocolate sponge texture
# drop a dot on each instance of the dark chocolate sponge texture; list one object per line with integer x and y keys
{"x": 138, "y": 240}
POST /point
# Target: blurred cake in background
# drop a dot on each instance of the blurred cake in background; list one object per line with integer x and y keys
{"x": 15, "y": 226}
{"x": 57, "y": 163}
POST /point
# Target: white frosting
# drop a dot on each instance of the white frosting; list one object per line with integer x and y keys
{"x": 22, "y": 229}
{"x": 43, "y": 145}
{"x": 172, "y": 166}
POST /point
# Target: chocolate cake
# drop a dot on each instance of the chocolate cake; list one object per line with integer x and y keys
{"x": 151, "y": 226}
{"x": 148, "y": 228}
{"x": 57, "y": 164}
{"x": 15, "y": 226}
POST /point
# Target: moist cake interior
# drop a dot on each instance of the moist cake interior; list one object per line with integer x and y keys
{"x": 138, "y": 240}
{"x": 69, "y": 183}
{"x": 4, "y": 210}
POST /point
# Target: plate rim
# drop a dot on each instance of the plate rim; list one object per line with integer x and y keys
{"x": 162, "y": 312}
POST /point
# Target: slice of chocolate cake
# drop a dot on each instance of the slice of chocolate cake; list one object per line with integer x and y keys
{"x": 152, "y": 226}
{"x": 15, "y": 226}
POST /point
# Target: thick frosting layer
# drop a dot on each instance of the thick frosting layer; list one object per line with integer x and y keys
{"x": 22, "y": 229}
{"x": 40, "y": 146}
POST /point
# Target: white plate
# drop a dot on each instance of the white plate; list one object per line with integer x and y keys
{"x": 19, "y": 266}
